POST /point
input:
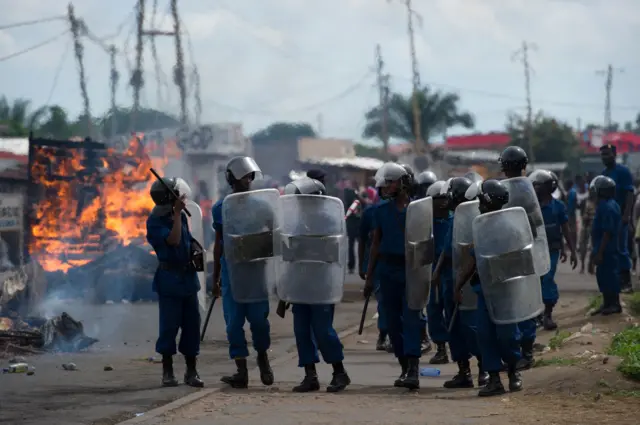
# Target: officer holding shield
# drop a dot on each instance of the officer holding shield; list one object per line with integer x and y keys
{"x": 423, "y": 181}
{"x": 314, "y": 261}
{"x": 244, "y": 222}
{"x": 176, "y": 280}
{"x": 388, "y": 259}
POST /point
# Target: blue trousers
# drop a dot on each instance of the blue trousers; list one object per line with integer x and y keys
{"x": 383, "y": 328}
{"x": 405, "y": 326}
{"x": 498, "y": 343}
{"x": 463, "y": 339}
{"x": 608, "y": 275}
{"x": 257, "y": 314}
{"x": 436, "y": 312}
{"x": 313, "y": 329}
{"x": 179, "y": 313}
{"x": 550, "y": 293}
{"x": 624, "y": 263}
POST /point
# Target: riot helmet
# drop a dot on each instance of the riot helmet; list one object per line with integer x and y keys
{"x": 543, "y": 181}
{"x": 603, "y": 187}
{"x": 513, "y": 159}
{"x": 492, "y": 195}
{"x": 424, "y": 180}
{"x": 474, "y": 176}
{"x": 305, "y": 186}
{"x": 435, "y": 190}
{"x": 455, "y": 189}
{"x": 410, "y": 180}
{"x": 240, "y": 167}
{"x": 393, "y": 178}
{"x": 161, "y": 195}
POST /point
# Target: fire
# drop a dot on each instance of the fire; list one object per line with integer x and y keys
{"x": 6, "y": 324}
{"x": 89, "y": 203}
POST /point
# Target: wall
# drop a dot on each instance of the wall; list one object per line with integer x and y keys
{"x": 310, "y": 148}
{"x": 276, "y": 158}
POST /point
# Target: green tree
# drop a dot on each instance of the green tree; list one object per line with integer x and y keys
{"x": 53, "y": 122}
{"x": 283, "y": 131}
{"x": 552, "y": 141}
{"x": 439, "y": 111}
{"x": 119, "y": 122}
{"x": 14, "y": 117}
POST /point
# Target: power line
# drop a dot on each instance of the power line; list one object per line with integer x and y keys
{"x": 34, "y": 47}
{"x": 56, "y": 76}
{"x": 34, "y": 22}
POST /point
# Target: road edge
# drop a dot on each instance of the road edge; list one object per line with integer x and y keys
{"x": 198, "y": 395}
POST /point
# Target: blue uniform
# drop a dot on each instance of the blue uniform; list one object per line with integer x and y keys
{"x": 235, "y": 314}
{"x": 367, "y": 225}
{"x": 555, "y": 216}
{"x": 177, "y": 287}
{"x": 498, "y": 343}
{"x": 624, "y": 184}
{"x": 405, "y": 325}
{"x": 463, "y": 339}
{"x": 313, "y": 329}
{"x": 436, "y": 307}
{"x": 607, "y": 220}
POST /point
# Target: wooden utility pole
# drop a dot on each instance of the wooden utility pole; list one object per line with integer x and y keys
{"x": 417, "y": 113}
{"x": 78, "y": 29}
{"x": 522, "y": 55}
{"x": 178, "y": 72}
{"x": 608, "y": 73}
{"x": 114, "y": 77}
{"x": 137, "y": 79}
{"x": 383, "y": 89}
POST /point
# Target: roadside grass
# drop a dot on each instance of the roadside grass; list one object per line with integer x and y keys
{"x": 626, "y": 345}
{"x": 633, "y": 302}
{"x": 595, "y": 302}
{"x": 556, "y": 361}
{"x": 556, "y": 341}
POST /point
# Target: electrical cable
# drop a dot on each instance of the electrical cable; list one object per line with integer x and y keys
{"x": 56, "y": 76}
{"x": 34, "y": 22}
{"x": 34, "y": 47}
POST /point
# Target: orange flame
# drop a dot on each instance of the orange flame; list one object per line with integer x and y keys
{"x": 81, "y": 212}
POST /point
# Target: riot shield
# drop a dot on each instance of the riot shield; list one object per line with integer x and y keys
{"x": 251, "y": 226}
{"x": 462, "y": 242}
{"x": 419, "y": 252}
{"x": 505, "y": 259}
{"x": 314, "y": 250}
{"x": 196, "y": 225}
{"x": 522, "y": 194}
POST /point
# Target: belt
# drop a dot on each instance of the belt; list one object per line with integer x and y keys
{"x": 177, "y": 267}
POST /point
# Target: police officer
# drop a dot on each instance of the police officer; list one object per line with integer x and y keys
{"x": 240, "y": 172}
{"x": 313, "y": 323}
{"x": 605, "y": 256}
{"x": 498, "y": 343}
{"x": 556, "y": 222}
{"x": 387, "y": 258}
{"x": 423, "y": 181}
{"x": 366, "y": 233}
{"x": 175, "y": 280}
{"x": 624, "y": 197}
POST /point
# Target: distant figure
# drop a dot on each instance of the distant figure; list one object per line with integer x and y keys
{"x": 5, "y": 262}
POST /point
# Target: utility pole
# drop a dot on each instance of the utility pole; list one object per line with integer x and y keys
{"x": 115, "y": 76}
{"x": 383, "y": 89}
{"x": 137, "y": 80}
{"x": 417, "y": 114}
{"x": 198, "y": 98}
{"x": 523, "y": 55}
{"x": 154, "y": 55}
{"x": 78, "y": 29}
{"x": 608, "y": 73}
{"x": 178, "y": 72}
{"x": 320, "y": 124}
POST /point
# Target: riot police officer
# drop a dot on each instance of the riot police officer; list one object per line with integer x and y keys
{"x": 513, "y": 161}
{"x": 423, "y": 181}
{"x": 175, "y": 280}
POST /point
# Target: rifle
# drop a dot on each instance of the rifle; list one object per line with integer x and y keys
{"x": 171, "y": 192}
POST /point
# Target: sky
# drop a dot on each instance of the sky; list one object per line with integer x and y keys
{"x": 314, "y": 61}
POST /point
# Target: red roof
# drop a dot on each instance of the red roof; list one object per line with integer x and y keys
{"x": 478, "y": 141}
{"x": 623, "y": 141}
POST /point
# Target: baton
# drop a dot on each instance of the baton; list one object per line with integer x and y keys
{"x": 364, "y": 314}
{"x": 453, "y": 317}
{"x": 171, "y": 191}
{"x": 206, "y": 322}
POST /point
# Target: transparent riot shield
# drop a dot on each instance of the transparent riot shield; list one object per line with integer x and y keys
{"x": 196, "y": 225}
{"x": 251, "y": 225}
{"x": 419, "y": 252}
{"x": 505, "y": 259}
{"x": 314, "y": 250}
{"x": 462, "y": 243}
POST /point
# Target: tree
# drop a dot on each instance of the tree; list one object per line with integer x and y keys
{"x": 439, "y": 111}
{"x": 552, "y": 141}
{"x": 15, "y": 117}
{"x": 283, "y": 131}
{"x": 119, "y": 122}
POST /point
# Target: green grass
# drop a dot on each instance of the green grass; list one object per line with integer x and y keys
{"x": 626, "y": 345}
{"x": 557, "y": 340}
{"x": 633, "y": 301}
{"x": 595, "y": 302}
{"x": 556, "y": 361}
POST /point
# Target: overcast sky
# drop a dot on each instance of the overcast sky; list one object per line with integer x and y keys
{"x": 294, "y": 60}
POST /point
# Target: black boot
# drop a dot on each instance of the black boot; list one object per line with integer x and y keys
{"x": 425, "y": 345}
{"x": 441, "y": 356}
{"x": 310, "y": 381}
{"x": 613, "y": 306}
{"x": 168, "y": 378}
{"x": 463, "y": 378}
{"x": 191, "y": 377}
{"x": 381, "y": 344}
{"x": 605, "y": 303}
{"x": 625, "y": 282}
{"x": 515, "y": 380}
{"x": 241, "y": 378}
{"x": 340, "y": 379}
{"x": 483, "y": 376}
{"x": 412, "y": 381}
{"x": 547, "y": 320}
{"x": 404, "y": 364}
{"x": 526, "y": 362}
{"x": 493, "y": 387}
{"x": 266, "y": 373}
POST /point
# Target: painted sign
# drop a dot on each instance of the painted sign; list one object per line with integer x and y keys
{"x": 11, "y": 211}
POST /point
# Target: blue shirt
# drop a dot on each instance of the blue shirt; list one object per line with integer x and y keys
{"x": 624, "y": 183}
{"x": 475, "y": 278}
{"x": 175, "y": 283}
{"x": 442, "y": 229}
{"x": 572, "y": 203}
{"x": 391, "y": 224}
{"x": 367, "y": 226}
{"x": 554, "y": 215}
{"x": 608, "y": 219}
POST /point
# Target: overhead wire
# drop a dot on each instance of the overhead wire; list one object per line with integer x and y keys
{"x": 34, "y": 47}
{"x": 56, "y": 76}
{"x": 32, "y": 22}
